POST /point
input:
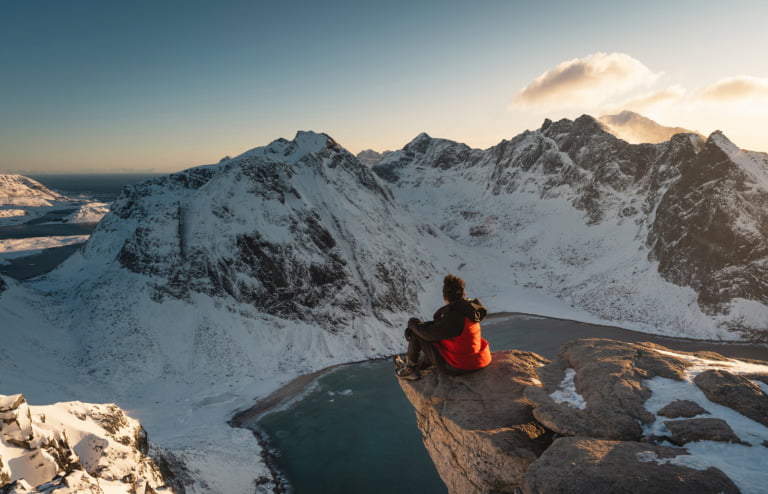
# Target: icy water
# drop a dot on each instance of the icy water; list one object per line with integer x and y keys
{"x": 104, "y": 187}
{"x": 354, "y": 431}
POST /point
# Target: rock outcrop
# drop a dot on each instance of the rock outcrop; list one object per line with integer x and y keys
{"x": 73, "y": 448}
{"x": 479, "y": 429}
{"x": 492, "y": 431}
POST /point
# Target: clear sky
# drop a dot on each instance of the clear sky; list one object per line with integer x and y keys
{"x": 165, "y": 85}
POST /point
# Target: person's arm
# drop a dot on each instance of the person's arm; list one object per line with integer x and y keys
{"x": 449, "y": 326}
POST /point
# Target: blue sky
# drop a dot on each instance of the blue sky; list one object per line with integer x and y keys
{"x": 168, "y": 85}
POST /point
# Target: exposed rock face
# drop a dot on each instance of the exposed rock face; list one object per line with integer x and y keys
{"x": 478, "y": 428}
{"x": 576, "y": 465}
{"x": 736, "y": 392}
{"x": 682, "y": 408}
{"x": 610, "y": 377}
{"x": 601, "y": 395}
{"x": 303, "y": 231}
{"x": 704, "y": 429}
{"x": 711, "y": 227}
{"x": 696, "y": 212}
{"x": 73, "y": 448}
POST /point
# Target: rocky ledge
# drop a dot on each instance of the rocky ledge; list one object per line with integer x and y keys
{"x": 73, "y": 447}
{"x": 603, "y": 416}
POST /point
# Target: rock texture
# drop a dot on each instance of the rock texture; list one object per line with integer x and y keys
{"x": 491, "y": 431}
{"x": 610, "y": 377}
{"x": 71, "y": 448}
{"x": 703, "y": 429}
{"x": 682, "y": 408}
{"x": 585, "y": 466}
{"x": 736, "y": 392}
{"x": 478, "y": 428}
{"x": 696, "y": 211}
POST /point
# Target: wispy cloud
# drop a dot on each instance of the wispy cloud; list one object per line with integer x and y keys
{"x": 644, "y": 102}
{"x": 588, "y": 80}
{"x": 735, "y": 88}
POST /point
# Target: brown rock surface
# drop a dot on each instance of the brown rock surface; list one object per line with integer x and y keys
{"x": 478, "y": 428}
{"x": 575, "y": 465}
{"x": 609, "y": 375}
{"x": 682, "y": 408}
{"x": 736, "y": 392}
{"x": 704, "y": 429}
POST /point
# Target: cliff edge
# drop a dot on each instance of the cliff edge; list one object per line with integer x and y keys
{"x": 603, "y": 416}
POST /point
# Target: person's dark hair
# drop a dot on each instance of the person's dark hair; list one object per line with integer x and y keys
{"x": 453, "y": 288}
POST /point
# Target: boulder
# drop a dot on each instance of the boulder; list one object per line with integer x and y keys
{"x": 15, "y": 420}
{"x": 577, "y": 465}
{"x": 704, "y": 429}
{"x": 736, "y": 392}
{"x": 682, "y": 408}
{"x": 73, "y": 447}
{"x": 478, "y": 428}
{"x": 609, "y": 376}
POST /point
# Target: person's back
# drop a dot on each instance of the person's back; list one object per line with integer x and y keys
{"x": 452, "y": 341}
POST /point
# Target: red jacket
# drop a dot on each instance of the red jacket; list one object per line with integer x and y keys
{"x": 455, "y": 332}
{"x": 469, "y": 350}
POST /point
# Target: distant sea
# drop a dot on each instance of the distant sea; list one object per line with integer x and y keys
{"x": 103, "y": 187}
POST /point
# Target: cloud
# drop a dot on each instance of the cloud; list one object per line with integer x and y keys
{"x": 735, "y": 88}
{"x": 672, "y": 94}
{"x": 588, "y": 80}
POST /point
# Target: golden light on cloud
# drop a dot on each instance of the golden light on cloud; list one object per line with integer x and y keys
{"x": 736, "y": 88}
{"x": 654, "y": 99}
{"x": 591, "y": 79}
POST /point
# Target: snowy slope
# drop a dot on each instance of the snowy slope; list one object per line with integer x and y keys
{"x": 206, "y": 289}
{"x": 578, "y": 214}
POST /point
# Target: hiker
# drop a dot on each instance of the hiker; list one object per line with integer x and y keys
{"x": 451, "y": 341}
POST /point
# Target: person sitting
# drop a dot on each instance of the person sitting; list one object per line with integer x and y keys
{"x": 452, "y": 341}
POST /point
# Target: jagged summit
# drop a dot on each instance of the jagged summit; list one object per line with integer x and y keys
{"x": 636, "y": 129}
{"x": 304, "y": 143}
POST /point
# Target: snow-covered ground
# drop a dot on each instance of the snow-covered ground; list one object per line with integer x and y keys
{"x": 22, "y": 247}
{"x": 744, "y": 464}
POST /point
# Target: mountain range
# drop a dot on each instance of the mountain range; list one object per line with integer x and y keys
{"x": 206, "y": 289}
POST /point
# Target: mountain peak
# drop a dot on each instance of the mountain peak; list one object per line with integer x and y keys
{"x": 636, "y": 129}
{"x": 419, "y": 143}
{"x": 305, "y": 142}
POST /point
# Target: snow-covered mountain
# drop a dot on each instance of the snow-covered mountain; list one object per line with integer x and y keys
{"x": 369, "y": 157}
{"x": 206, "y": 289}
{"x": 18, "y": 190}
{"x": 637, "y": 129}
{"x": 23, "y": 199}
{"x": 605, "y": 225}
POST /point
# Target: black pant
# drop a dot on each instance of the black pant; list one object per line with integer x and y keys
{"x": 432, "y": 356}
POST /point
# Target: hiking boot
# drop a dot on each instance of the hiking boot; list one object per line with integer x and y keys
{"x": 408, "y": 372}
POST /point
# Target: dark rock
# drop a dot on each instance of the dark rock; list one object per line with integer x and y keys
{"x": 587, "y": 466}
{"x": 609, "y": 375}
{"x": 478, "y": 428}
{"x": 15, "y": 421}
{"x": 736, "y": 392}
{"x": 703, "y": 429}
{"x": 681, "y": 408}
{"x": 711, "y": 229}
